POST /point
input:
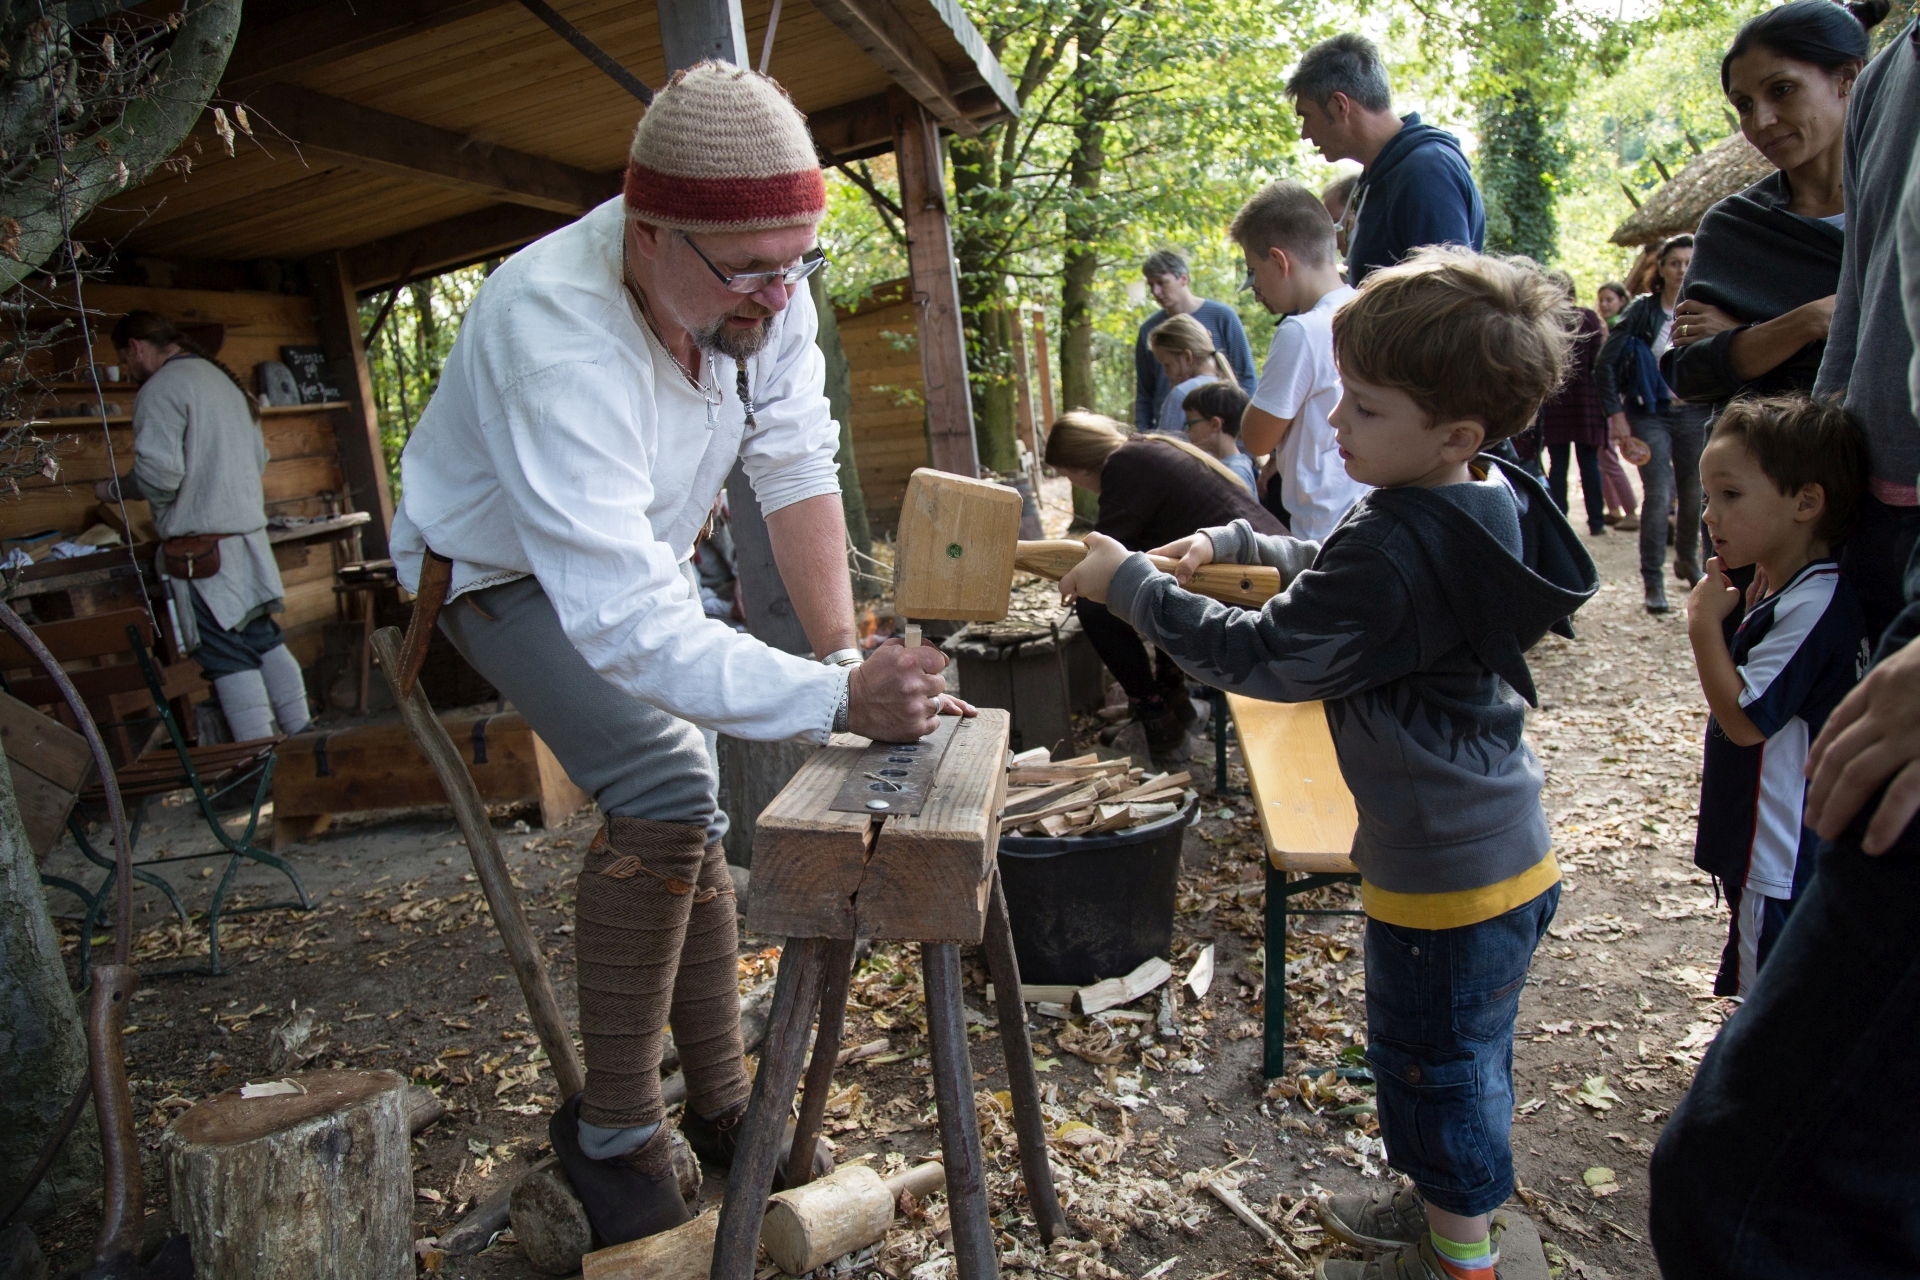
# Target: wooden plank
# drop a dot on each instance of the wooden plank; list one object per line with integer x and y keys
{"x": 71, "y": 639}
{"x": 43, "y": 804}
{"x": 362, "y": 458}
{"x": 301, "y": 477}
{"x": 807, "y": 859}
{"x": 453, "y": 242}
{"x": 1306, "y": 812}
{"x": 311, "y": 37}
{"x": 936, "y": 286}
{"x": 46, "y": 746}
{"x": 928, "y": 878}
{"x": 890, "y": 40}
{"x": 335, "y": 130}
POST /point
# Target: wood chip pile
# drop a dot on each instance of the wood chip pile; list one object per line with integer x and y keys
{"x": 1086, "y": 796}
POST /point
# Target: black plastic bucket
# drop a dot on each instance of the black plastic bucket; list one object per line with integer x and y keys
{"x": 1085, "y": 908}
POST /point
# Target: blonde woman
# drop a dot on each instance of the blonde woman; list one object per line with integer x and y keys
{"x": 1185, "y": 350}
{"x": 1153, "y": 489}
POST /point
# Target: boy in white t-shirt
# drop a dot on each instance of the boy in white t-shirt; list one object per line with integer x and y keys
{"x": 1287, "y": 238}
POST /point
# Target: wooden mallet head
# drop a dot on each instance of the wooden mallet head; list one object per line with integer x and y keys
{"x": 960, "y": 545}
{"x": 954, "y": 556}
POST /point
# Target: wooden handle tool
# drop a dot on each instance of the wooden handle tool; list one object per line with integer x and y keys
{"x": 1246, "y": 585}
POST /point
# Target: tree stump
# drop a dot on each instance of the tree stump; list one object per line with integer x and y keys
{"x": 316, "y": 1184}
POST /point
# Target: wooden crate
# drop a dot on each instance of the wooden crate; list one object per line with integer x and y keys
{"x": 319, "y": 775}
{"x": 49, "y": 764}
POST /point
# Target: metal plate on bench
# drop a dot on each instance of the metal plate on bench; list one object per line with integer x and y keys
{"x": 895, "y": 778}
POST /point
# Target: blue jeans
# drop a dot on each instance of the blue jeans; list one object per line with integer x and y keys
{"x": 1676, "y": 435}
{"x": 1440, "y": 1011}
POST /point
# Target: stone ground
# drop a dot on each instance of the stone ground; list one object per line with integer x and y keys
{"x": 397, "y": 968}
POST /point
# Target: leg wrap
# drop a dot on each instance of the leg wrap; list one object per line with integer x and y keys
{"x": 634, "y": 895}
{"x": 706, "y": 995}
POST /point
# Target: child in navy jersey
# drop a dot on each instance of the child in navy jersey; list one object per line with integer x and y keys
{"x": 1783, "y": 480}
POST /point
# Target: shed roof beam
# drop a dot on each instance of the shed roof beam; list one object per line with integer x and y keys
{"x": 340, "y": 132}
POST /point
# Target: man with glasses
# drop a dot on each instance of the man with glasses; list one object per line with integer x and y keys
{"x": 604, "y": 383}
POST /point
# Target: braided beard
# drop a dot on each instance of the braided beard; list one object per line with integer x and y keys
{"x": 736, "y": 344}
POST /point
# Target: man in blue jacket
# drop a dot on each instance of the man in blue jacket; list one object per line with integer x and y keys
{"x": 1172, "y": 287}
{"x": 1416, "y": 189}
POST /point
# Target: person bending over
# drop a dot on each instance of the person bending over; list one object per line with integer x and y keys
{"x": 1410, "y": 622}
{"x": 1152, "y": 489}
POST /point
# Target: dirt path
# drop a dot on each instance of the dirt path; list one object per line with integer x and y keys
{"x": 400, "y": 968}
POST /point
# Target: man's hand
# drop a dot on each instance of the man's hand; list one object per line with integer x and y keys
{"x": 1191, "y": 551}
{"x": 1089, "y": 579}
{"x": 1872, "y": 736}
{"x": 897, "y": 695}
{"x": 1618, "y": 428}
{"x": 1712, "y": 599}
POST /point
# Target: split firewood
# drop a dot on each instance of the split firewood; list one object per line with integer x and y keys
{"x": 1033, "y": 802}
{"x": 1114, "y": 992}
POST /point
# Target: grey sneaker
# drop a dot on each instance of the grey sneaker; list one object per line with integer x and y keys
{"x": 1387, "y": 1219}
{"x": 1408, "y": 1262}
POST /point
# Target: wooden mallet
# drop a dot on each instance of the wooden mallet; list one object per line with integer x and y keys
{"x": 959, "y": 547}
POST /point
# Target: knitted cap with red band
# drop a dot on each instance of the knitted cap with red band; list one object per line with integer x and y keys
{"x": 722, "y": 148}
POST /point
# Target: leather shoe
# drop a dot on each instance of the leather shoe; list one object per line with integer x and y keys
{"x": 628, "y": 1196}
{"x": 716, "y": 1141}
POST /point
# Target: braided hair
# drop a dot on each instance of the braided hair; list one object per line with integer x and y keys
{"x": 151, "y": 326}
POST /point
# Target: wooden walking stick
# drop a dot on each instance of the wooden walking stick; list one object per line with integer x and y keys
{"x": 523, "y": 950}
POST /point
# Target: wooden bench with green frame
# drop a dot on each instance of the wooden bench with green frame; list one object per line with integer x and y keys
{"x": 1307, "y": 819}
{"x": 163, "y": 762}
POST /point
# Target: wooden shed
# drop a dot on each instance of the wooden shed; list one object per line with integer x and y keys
{"x": 395, "y": 140}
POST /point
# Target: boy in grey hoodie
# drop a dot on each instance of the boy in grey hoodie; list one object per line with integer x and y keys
{"x": 1410, "y": 623}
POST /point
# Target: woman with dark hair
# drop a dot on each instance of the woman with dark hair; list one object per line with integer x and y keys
{"x": 1753, "y": 316}
{"x": 1153, "y": 489}
{"x": 1571, "y": 419}
{"x": 198, "y": 456}
{"x": 1639, "y": 403}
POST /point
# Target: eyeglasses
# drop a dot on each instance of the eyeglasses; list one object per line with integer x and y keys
{"x": 755, "y": 281}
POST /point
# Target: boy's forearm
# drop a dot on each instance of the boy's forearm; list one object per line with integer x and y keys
{"x": 1720, "y": 681}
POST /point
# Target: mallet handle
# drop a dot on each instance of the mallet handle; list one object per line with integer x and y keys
{"x": 1246, "y": 585}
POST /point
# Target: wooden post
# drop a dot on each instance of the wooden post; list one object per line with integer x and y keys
{"x": 362, "y": 461}
{"x": 826, "y": 1054}
{"x": 1040, "y": 363}
{"x": 694, "y": 30}
{"x": 973, "y": 1242}
{"x": 1023, "y": 384}
{"x": 1022, "y": 1082}
{"x": 936, "y": 285}
{"x": 312, "y": 1183}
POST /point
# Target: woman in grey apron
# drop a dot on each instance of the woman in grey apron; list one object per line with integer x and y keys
{"x": 198, "y": 455}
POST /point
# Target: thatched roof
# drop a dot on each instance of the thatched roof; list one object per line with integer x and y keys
{"x": 1677, "y": 205}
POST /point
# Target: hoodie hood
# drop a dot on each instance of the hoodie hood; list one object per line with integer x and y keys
{"x": 1413, "y": 135}
{"x": 1508, "y": 604}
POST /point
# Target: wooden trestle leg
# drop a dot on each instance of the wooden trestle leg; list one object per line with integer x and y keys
{"x": 1022, "y": 1082}
{"x": 826, "y": 1054}
{"x": 796, "y": 994}
{"x": 973, "y": 1242}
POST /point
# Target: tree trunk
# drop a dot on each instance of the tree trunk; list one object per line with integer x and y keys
{"x": 123, "y": 155}
{"x": 43, "y": 1046}
{"x": 1081, "y": 267}
{"x": 853, "y": 499}
{"x": 316, "y": 1184}
{"x": 980, "y": 204}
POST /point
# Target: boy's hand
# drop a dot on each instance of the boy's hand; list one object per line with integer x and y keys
{"x": 1089, "y": 579}
{"x": 1191, "y": 551}
{"x": 1712, "y": 598}
{"x": 1758, "y": 589}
